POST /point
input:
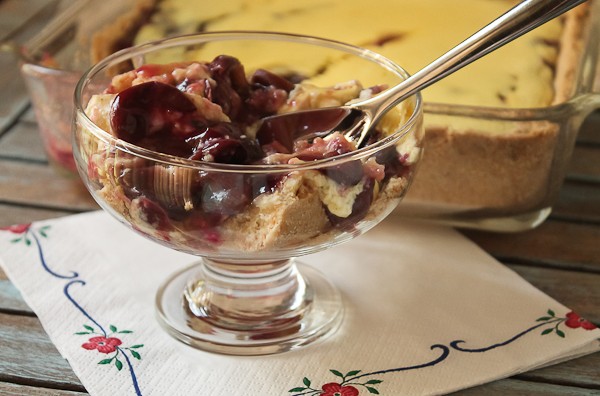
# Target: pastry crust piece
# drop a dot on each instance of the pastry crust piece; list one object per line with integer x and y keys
{"x": 471, "y": 170}
{"x": 287, "y": 217}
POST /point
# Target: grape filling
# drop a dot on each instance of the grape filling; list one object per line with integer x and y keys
{"x": 208, "y": 112}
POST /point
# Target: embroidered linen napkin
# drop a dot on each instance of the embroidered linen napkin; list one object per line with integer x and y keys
{"x": 426, "y": 312}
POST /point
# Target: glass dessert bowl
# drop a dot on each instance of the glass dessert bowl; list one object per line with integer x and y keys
{"x": 173, "y": 149}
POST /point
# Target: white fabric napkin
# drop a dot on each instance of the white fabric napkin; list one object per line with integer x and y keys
{"x": 426, "y": 312}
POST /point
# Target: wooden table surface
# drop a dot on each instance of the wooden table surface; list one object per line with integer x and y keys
{"x": 561, "y": 257}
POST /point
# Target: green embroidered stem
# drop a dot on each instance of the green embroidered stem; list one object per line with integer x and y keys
{"x": 109, "y": 360}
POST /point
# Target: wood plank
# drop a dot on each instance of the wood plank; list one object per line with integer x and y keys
{"x": 28, "y": 357}
{"x": 41, "y": 186}
{"x": 9, "y": 389}
{"x": 19, "y": 21}
{"x": 11, "y": 300}
{"x": 581, "y": 372}
{"x": 585, "y": 164}
{"x": 14, "y": 15}
{"x": 578, "y": 201}
{"x": 10, "y": 214}
{"x": 590, "y": 130}
{"x": 576, "y": 290}
{"x": 15, "y": 98}
{"x": 23, "y": 141}
{"x": 553, "y": 244}
{"x": 517, "y": 387}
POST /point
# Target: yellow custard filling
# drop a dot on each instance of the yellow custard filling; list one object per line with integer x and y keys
{"x": 410, "y": 32}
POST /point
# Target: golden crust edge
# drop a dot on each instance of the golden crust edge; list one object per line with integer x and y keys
{"x": 571, "y": 51}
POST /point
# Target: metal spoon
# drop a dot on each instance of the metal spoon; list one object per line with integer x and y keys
{"x": 357, "y": 119}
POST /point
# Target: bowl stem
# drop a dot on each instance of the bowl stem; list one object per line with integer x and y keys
{"x": 248, "y": 308}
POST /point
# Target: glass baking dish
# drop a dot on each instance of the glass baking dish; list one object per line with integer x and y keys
{"x": 509, "y": 181}
{"x": 492, "y": 168}
{"x": 51, "y": 65}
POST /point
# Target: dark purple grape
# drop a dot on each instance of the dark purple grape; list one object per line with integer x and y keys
{"x": 231, "y": 88}
{"x": 267, "y": 79}
{"x": 394, "y": 162}
{"x": 348, "y": 174}
{"x": 148, "y": 109}
{"x": 199, "y": 220}
{"x": 224, "y": 143}
{"x": 264, "y": 102}
{"x": 222, "y": 194}
{"x": 224, "y": 151}
{"x": 225, "y": 68}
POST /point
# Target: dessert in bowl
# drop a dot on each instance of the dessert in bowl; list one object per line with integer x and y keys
{"x": 175, "y": 151}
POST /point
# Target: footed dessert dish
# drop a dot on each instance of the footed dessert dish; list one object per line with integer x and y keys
{"x": 180, "y": 153}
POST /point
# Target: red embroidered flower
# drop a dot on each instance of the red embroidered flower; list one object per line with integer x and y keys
{"x": 575, "y": 321}
{"x": 102, "y": 344}
{"x": 333, "y": 389}
{"x": 17, "y": 228}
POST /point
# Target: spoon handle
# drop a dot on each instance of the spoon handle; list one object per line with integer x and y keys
{"x": 519, "y": 20}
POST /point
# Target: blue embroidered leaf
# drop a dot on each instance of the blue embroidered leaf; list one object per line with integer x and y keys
{"x": 543, "y": 319}
{"x": 551, "y": 313}
{"x": 306, "y": 381}
{"x": 82, "y": 332}
{"x": 118, "y": 364}
{"x": 352, "y": 373}
{"x": 560, "y": 333}
{"x": 105, "y": 361}
{"x": 372, "y": 390}
{"x": 90, "y": 328}
{"x": 294, "y": 390}
{"x": 547, "y": 331}
{"x": 137, "y": 346}
{"x": 125, "y": 332}
{"x": 374, "y": 382}
{"x": 337, "y": 373}
{"x": 135, "y": 354}
{"x": 112, "y": 328}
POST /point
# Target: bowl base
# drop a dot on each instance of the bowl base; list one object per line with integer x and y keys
{"x": 314, "y": 311}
